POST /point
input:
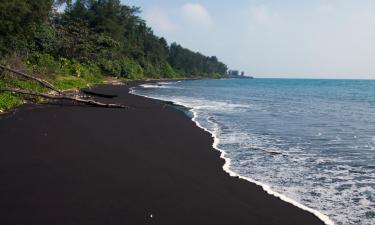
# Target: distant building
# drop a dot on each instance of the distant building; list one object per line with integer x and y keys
{"x": 238, "y": 75}
{"x": 233, "y": 73}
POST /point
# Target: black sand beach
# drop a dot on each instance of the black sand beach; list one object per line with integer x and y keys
{"x": 150, "y": 164}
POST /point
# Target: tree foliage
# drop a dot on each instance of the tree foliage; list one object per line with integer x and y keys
{"x": 19, "y": 18}
{"x": 102, "y": 32}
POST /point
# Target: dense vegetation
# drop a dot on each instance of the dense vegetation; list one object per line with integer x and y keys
{"x": 88, "y": 40}
{"x": 99, "y": 33}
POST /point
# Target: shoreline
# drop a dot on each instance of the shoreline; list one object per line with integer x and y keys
{"x": 226, "y": 167}
{"x": 80, "y": 165}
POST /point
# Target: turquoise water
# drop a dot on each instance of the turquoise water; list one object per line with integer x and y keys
{"x": 310, "y": 140}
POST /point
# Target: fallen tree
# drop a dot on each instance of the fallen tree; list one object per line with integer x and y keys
{"x": 57, "y": 95}
{"x": 42, "y": 82}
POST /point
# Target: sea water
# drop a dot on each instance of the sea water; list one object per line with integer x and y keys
{"x": 310, "y": 142}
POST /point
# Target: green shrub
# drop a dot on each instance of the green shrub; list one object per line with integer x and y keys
{"x": 27, "y": 85}
{"x": 131, "y": 69}
{"x": 110, "y": 67}
{"x": 77, "y": 75}
{"x": 168, "y": 72}
{"x": 151, "y": 71}
{"x": 8, "y": 101}
{"x": 215, "y": 75}
{"x": 66, "y": 83}
{"x": 44, "y": 64}
{"x": 91, "y": 73}
{"x": 65, "y": 72}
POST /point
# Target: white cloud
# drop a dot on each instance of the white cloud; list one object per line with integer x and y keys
{"x": 325, "y": 7}
{"x": 260, "y": 14}
{"x": 322, "y": 38}
{"x": 159, "y": 20}
{"x": 196, "y": 14}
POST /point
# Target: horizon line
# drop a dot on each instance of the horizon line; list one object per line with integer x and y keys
{"x": 308, "y": 78}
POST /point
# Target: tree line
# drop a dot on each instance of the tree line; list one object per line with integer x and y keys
{"x": 104, "y": 34}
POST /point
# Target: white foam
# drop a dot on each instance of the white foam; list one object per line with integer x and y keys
{"x": 227, "y": 165}
{"x": 152, "y": 86}
{"x": 266, "y": 188}
{"x": 217, "y": 106}
{"x": 164, "y": 83}
{"x": 159, "y": 85}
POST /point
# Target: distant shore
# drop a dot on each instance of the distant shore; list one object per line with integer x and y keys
{"x": 148, "y": 164}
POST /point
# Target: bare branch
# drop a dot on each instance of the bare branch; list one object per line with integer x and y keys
{"x": 62, "y": 97}
{"x": 41, "y": 81}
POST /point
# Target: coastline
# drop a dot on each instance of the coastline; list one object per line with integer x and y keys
{"x": 147, "y": 164}
{"x": 226, "y": 166}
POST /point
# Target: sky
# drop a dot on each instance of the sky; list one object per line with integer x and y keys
{"x": 273, "y": 38}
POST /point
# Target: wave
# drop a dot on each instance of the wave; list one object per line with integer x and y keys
{"x": 152, "y": 86}
{"x": 199, "y": 104}
{"x": 265, "y": 187}
{"x": 162, "y": 85}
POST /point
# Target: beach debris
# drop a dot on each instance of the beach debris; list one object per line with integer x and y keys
{"x": 58, "y": 94}
{"x": 62, "y": 97}
{"x": 42, "y": 82}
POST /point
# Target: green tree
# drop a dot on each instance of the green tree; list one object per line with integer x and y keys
{"x": 19, "y": 19}
{"x": 105, "y": 33}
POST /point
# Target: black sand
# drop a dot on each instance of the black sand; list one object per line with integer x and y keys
{"x": 85, "y": 166}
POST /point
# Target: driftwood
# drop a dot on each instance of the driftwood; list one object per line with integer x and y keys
{"x": 62, "y": 97}
{"x": 40, "y": 81}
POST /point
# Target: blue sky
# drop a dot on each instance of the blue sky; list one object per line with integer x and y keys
{"x": 273, "y": 38}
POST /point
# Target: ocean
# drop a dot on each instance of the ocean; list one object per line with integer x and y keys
{"x": 310, "y": 142}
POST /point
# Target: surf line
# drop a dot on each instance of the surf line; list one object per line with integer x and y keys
{"x": 226, "y": 167}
